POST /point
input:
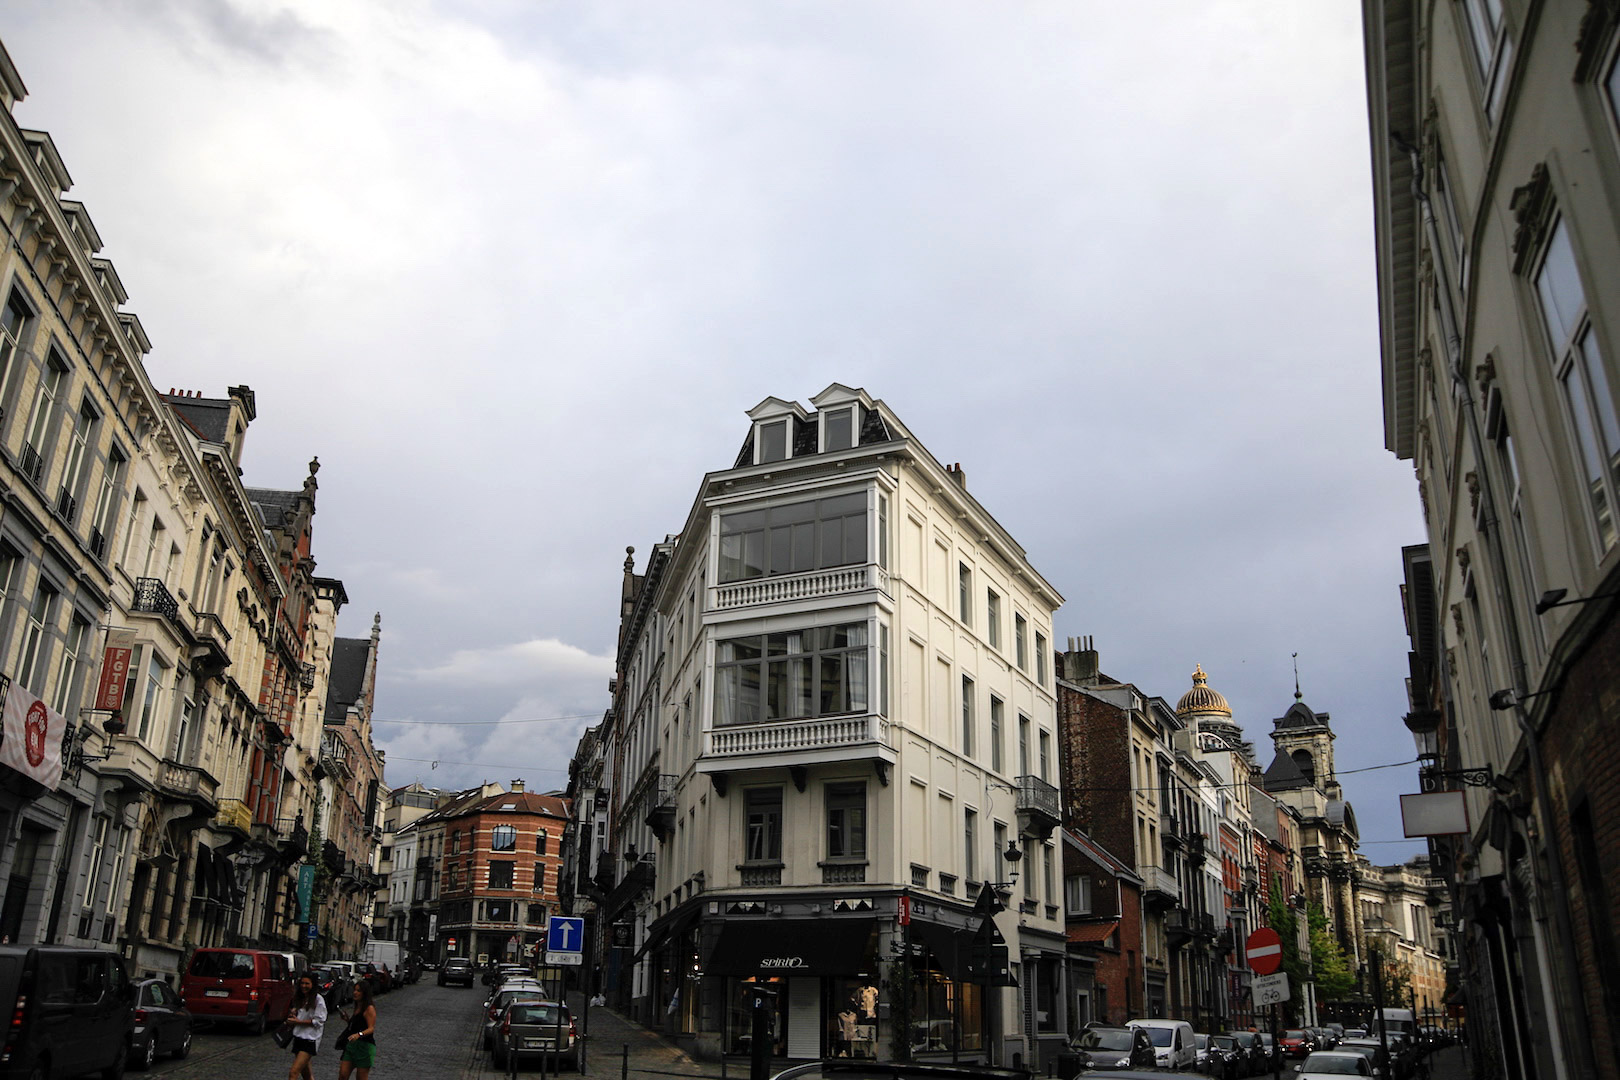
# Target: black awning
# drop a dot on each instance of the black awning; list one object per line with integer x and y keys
{"x": 797, "y": 947}
{"x": 951, "y": 947}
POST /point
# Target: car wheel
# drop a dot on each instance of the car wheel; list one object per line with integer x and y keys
{"x": 40, "y": 1071}
{"x": 185, "y": 1046}
{"x": 142, "y": 1057}
{"x": 259, "y": 1023}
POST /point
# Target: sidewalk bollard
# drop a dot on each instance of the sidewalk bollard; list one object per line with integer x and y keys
{"x": 624, "y": 1067}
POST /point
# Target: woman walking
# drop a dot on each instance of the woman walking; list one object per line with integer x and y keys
{"x": 359, "y": 1039}
{"x": 308, "y": 1019}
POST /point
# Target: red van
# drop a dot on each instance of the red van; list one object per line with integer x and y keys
{"x": 245, "y": 986}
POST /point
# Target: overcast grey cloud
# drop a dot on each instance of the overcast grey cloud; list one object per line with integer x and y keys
{"x": 515, "y": 271}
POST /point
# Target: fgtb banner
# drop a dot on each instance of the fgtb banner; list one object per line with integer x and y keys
{"x": 114, "y": 670}
{"x": 33, "y": 737}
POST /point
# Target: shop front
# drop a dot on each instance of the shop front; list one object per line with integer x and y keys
{"x": 819, "y": 979}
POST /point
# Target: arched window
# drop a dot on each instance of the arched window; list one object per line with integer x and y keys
{"x": 503, "y": 838}
{"x": 540, "y": 843}
{"x": 1306, "y": 763}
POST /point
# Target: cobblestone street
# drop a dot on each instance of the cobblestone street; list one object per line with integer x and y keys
{"x": 423, "y": 1030}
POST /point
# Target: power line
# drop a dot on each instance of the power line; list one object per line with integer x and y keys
{"x": 483, "y": 723}
{"x": 436, "y": 762}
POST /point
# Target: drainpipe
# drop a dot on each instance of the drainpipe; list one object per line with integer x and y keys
{"x": 1565, "y": 982}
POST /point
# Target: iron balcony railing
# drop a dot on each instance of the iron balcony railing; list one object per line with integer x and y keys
{"x": 1036, "y": 796}
{"x": 30, "y": 464}
{"x": 151, "y": 595}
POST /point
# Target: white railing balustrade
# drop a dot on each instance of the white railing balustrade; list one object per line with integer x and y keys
{"x": 805, "y": 586}
{"x": 778, "y": 736}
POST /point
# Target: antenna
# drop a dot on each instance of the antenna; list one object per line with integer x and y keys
{"x": 1297, "y": 695}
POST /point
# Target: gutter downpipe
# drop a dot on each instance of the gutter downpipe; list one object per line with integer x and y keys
{"x": 1575, "y": 1041}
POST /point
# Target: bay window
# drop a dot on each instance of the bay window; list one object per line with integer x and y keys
{"x": 793, "y": 538}
{"x": 795, "y": 674}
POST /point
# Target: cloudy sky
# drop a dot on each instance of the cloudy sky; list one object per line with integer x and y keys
{"x": 515, "y": 271}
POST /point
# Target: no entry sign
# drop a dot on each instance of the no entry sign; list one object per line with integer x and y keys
{"x": 1265, "y": 951}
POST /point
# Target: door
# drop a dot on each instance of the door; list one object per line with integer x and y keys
{"x": 804, "y": 1018}
{"x": 22, "y": 874}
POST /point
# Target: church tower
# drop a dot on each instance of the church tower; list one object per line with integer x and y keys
{"x": 1305, "y": 739}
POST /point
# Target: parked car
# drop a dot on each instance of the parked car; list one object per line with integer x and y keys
{"x": 1252, "y": 1050}
{"x": 243, "y": 986}
{"x": 1100, "y": 1048}
{"x": 1325, "y": 1038}
{"x": 1297, "y": 1042}
{"x": 331, "y": 983}
{"x": 162, "y": 1024}
{"x": 1227, "y": 1059}
{"x": 1332, "y": 1065}
{"x": 513, "y": 990}
{"x": 1172, "y": 1042}
{"x": 457, "y": 969}
{"x": 1274, "y": 1053}
{"x": 1372, "y": 1050}
{"x": 376, "y": 975}
{"x": 531, "y": 1029}
{"x": 71, "y": 1012}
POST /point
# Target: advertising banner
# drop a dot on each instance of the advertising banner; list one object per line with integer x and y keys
{"x": 114, "y": 669}
{"x": 32, "y": 741}
{"x": 306, "y": 891}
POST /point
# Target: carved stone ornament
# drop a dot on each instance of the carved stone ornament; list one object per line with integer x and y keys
{"x": 1591, "y": 40}
{"x": 1463, "y": 556}
{"x": 1485, "y": 371}
{"x": 1472, "y": 480}
{"x": 1532, "y": 207}
{"x": 1423, "y": 495}
{"x": 1451, "y": 659}
{"x": 1456, "y": 619}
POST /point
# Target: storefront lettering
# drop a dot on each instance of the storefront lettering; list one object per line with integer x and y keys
{"x": 783, "y": 962}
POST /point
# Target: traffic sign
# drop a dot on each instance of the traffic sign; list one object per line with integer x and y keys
{"x": 565, "y": 940}
{"x": 313, "y": 932}
{"x": 1264, "y": 949}
{"x": 1271, "y": 989}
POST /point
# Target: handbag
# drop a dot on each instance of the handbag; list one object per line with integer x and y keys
{"x": 284, "y": 1034}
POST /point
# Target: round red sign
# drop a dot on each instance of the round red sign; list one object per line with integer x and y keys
{"x": 34, "y": 727}
{"x": 1265, "y": 951}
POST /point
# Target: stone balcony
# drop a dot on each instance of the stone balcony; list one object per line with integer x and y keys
{"x": 790, "y": 743}
{"x": 809, "y": 585}
{"x": 189, "y": 784}
{"x": 1160, "y": 890}
{"x": 234, "y": 815}
{"x": 132, "y": 760}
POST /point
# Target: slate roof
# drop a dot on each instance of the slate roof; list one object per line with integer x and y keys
{"x": 273, "y": 505}
{"x": 209, "y": 416}
{"x": 1284, "y": 774}
{"x": 524, "y": 802}
{"x": 348, "y": 678}
{"x": 1299, "y": 715}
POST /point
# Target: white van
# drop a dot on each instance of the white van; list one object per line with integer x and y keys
{"x": 1173, "y": 1043}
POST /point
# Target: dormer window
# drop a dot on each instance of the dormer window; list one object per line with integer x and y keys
{"x": 773, "y": 441}
{"x": 838, "y": 429}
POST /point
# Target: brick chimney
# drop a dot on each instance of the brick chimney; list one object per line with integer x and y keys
{"x": 1080, "y": 664}
{"x": 517, "y": 787}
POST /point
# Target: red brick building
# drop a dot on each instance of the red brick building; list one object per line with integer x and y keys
{"x": 498, "y": 887}
{"x": 1103, "y": 906}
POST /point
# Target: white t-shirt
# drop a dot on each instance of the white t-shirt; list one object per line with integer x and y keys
{"x": 309, "y": 1023}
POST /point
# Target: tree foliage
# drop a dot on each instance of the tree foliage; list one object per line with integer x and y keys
{"x": 1283, "y": 919}
{"x": 1330, "y": 970}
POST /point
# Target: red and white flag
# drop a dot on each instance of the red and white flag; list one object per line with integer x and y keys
{"x": 33, "y": 737}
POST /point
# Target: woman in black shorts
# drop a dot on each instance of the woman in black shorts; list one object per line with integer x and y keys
{"x": 308, "y": 1017}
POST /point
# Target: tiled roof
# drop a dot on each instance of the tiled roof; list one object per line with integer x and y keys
{"x": 1091, "y": 933}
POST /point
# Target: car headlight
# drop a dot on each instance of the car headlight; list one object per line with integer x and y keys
{"x": 1122, "y": 1062}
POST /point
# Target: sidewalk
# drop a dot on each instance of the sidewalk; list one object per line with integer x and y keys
{"x": 649, "y": 1053}
{"x": 1449, "y": 1064}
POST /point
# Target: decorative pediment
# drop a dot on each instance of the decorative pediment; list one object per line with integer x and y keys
{"x": 839, "y": 394}
{"x": 773, "y": 407}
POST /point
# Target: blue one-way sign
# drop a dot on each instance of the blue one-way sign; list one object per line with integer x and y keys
{"x": 564, "y": 934}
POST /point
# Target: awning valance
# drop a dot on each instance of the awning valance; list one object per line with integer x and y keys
{"x": 795, "y": 947}
{"x": 951, "y": 947}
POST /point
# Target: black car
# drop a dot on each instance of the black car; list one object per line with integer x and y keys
{"x": 72, "y": 1012}
{"x": 1258, "y": 1060}
{"x": 162, "y": 1024}
{"x": 1226, "y": 1058}
{"x": 1100, "y": 1048}
{"x": 457, "y": 969}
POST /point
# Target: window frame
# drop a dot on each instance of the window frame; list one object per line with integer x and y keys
{"x": 846, "y": 808}
{"x": 498, "y": 833}
{"x": 969, "y": 715}
{"x": 509, "y": 866}
{"x": 1592, "y": 427}
{"x": 769, "y": 829}
{"x": 964, "y": 594}
{"x": 1492, "y": 58}
{"x": 853, "y": 656}
{"x": 825, "y": 418}
{"x": 733, "y": 568}
{"x": 1021, "y": 641}
{"x": 998, "y": 724}
{"x": 761, "y": 428}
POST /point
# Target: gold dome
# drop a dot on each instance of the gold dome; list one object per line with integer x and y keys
{"x": 1201, "y": 700}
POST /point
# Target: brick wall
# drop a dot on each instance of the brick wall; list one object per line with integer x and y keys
{"x": 1094, "y": 759}
{"x": 1581, "y": 750}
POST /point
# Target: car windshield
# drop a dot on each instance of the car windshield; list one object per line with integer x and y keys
{"x": 1201, "y": 1041}
{"x": 223, "y": 965}
{"x": 1159, "y": 1036}
{"x": 1105, "y": 1040}
{"x": 1293, "y": 1033}
{"x": 1225, "y": 1042}
{"x": 1334, "y": 1064}
{"x": 1244, "y": 1039}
